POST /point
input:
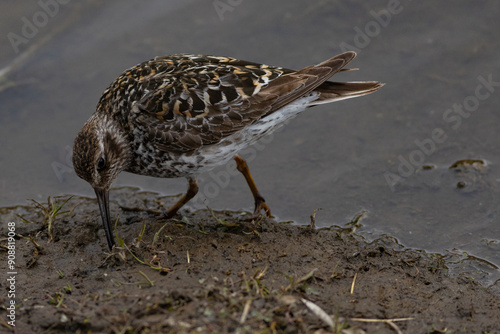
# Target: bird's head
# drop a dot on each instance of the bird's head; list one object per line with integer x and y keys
{"x": 100, "y": 153}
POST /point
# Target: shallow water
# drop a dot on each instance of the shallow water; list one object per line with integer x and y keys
{"x": 387, "y": 154}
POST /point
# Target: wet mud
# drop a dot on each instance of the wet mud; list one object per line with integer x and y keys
{"x": 224, "y": 272}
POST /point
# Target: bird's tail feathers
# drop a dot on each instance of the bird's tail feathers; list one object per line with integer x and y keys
{"x": 336, "y": 91}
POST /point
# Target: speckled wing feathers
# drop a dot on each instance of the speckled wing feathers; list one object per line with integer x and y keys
{"x": 182, "y": 102}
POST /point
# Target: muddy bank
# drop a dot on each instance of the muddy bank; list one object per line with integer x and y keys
{"x": 219, "y": 272}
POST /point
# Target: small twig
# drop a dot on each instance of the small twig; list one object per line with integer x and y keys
{"x": 313, "y": 219}
{"x": 61, "y": 299}
{"x": 306, "y": 276}
{"x": 353, "y": 282}
{"x": 319, "y": 312}
{"x": 221, "y": 221}
{"x": 141, "y": 234}
{"x": 146, "y": 277}
{"x": 396, "y": 328}
{"x": 261, "y": 273}
{"x": 334, "y": 269}
{"x": 381, "y": 320}
{"x": 390, "y": 322}
{"x": 119, "y": 239}
{"x": 157, "y": 235}
{"x": 33, "y": 241}
{"x": 294, "y": 283}
{"x": 354, "y": 224}
{"x": 159, "y": 268}
{"x": 246, "y": 309}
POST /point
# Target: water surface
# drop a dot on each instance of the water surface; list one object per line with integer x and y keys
{"x": 387, "y": 155}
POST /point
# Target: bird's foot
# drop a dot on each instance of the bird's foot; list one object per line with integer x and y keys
{"x": 169, "y": 213}
{"x": 262, "y": 206}
{"x": 261, "y": 211}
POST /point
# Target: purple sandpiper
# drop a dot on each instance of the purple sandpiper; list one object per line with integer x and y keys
{"x": 184, "y": 114}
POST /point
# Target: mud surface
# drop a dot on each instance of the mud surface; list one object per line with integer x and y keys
{"x": 221, "y": 272}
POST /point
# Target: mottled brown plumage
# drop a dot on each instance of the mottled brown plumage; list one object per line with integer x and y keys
{"x": 180, "y": 115}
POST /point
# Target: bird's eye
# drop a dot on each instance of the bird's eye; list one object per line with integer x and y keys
{"x": 101, "y": 164}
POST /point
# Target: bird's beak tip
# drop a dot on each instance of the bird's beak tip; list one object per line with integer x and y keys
{"x": 103, "y": 200}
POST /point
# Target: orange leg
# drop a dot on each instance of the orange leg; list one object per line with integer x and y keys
{"x": 192, "y": 191}
{"x": 260, "y": 203}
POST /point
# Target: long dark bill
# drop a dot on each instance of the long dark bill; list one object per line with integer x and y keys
{"x": 103, "y": 200}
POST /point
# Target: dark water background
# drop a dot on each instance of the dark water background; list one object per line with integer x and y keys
{"x": 387, "y": 154}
